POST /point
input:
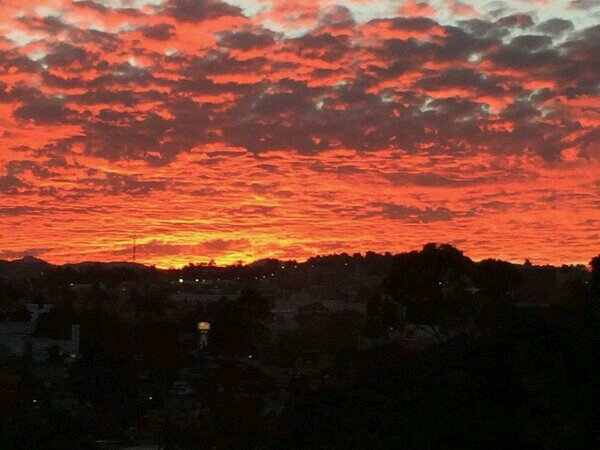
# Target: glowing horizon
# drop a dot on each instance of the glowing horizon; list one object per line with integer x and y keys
{"x": 242, "y": 130}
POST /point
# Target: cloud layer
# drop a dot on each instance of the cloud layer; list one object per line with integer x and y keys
{"x": 241, "y": 130}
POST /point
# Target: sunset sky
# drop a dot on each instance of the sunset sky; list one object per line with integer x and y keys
{"x": 288, "y": 128}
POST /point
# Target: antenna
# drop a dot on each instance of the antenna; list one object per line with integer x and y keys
{"x": 134, "y": 246}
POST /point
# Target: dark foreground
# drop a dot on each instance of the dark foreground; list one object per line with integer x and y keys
{"x": 496, "y": 372}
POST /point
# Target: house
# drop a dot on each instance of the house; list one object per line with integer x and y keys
{"x": 18, "y": 338}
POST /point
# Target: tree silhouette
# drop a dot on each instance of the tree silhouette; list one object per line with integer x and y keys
{"x": 497, "y": 281}
{"x": 239, "y": 326}
{"x": 432, "y": 285}
{"x": 594, "y": 315}
{"x": 383, "y": 313}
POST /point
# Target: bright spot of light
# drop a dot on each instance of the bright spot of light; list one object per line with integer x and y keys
{"x": 36, "y": 55}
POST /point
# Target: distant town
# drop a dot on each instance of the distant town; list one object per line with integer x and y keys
{"x": 340, "y": 351}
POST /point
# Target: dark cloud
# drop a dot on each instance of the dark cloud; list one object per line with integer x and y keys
{"x": 410, "y": 23}
{"x": 337, "y": 18}
{"x": 12, "y": 185}
{"x": 515, "y": 21}
{"x": 531, "y": 42}
{"x": 413, "y": 214}
{"x": 463, "y": 78}
{"x": 325, "y": 47}
{"x": 435, "y": 180}
{"x": 221, "y": 245}
{"x": 41, "y": 170}
{"x": 247, "y": 40}
{"x": 482, "y": 28}
{"x": 44, "y": 111}
{"x": 11, "y": 254}
{"x": 103, "y": 9}
{"x": 199, "y": 10}
{"x": 583, "y": 4}
{"x": 49, "y": 24}
{"x": 92, "y": 5}
{"x": 555, "y": 26}
{"x": 160, "y": 32}
{"x": 62, "y": 55}
{"x": 512, "y": 57}
{"x": 114, "y": 183}
{"x": 14, "y": 211}
{"x": 207, "y": 248}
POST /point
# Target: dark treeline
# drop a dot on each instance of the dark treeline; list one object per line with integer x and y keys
{"x": 508, "y": 362}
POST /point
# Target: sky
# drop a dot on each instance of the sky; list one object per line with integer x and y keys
{"x": 234, "y": 131}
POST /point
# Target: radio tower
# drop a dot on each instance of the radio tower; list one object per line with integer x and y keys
{"x": 134, "y": 247}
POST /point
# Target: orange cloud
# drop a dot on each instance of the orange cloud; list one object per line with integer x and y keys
{"x": 210, "y": 136}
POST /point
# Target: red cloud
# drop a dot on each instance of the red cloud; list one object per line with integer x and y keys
{"x": 415, "y": 8}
